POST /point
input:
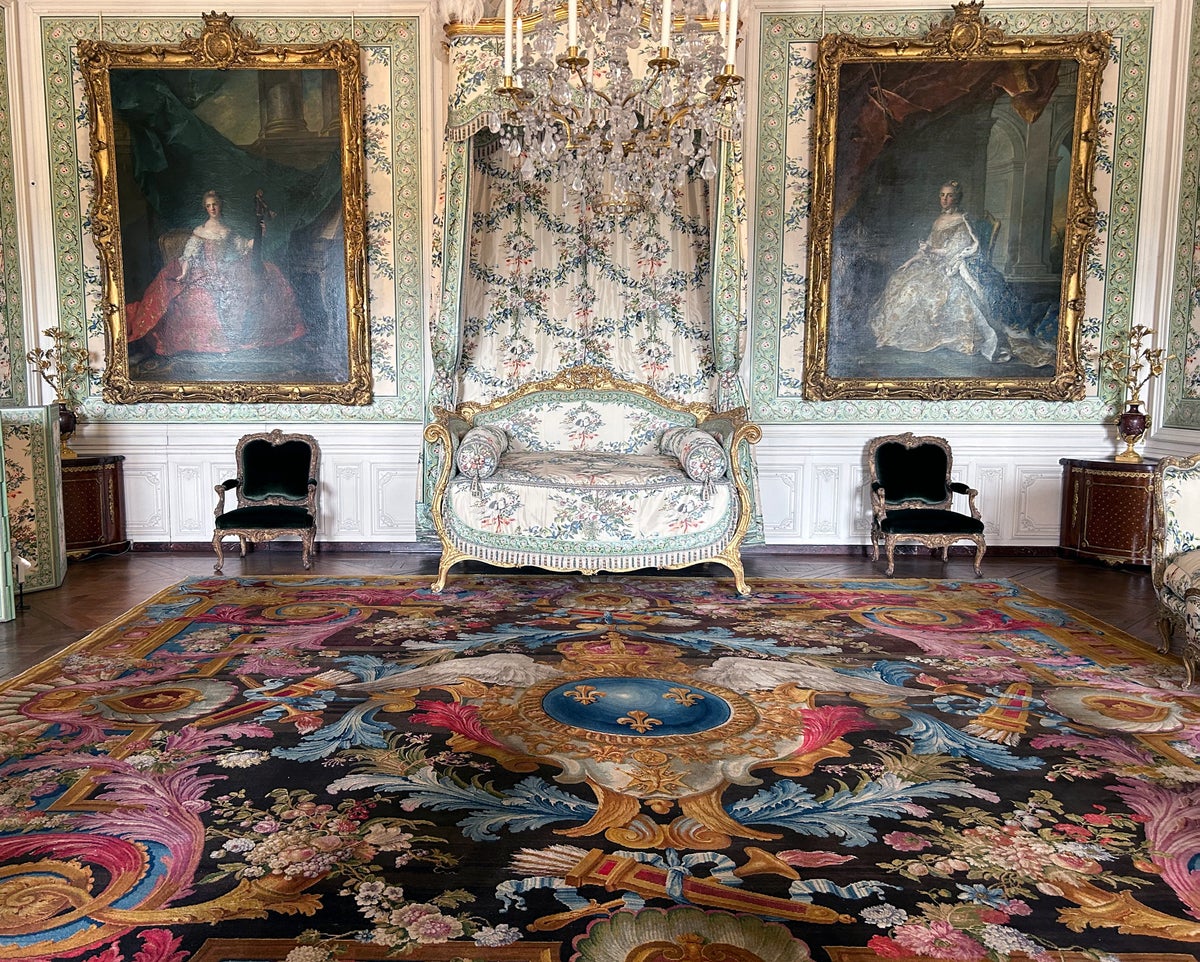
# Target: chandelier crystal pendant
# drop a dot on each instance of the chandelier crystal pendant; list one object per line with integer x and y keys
{"x": 625, "y": 108}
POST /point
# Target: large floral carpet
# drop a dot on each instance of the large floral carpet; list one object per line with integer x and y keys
{"x": 600, "y": 770}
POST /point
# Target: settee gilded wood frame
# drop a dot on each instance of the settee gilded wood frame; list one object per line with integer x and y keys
{"x": 731, "y": 428}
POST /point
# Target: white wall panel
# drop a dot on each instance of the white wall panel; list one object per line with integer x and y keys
{"x": 345, "y": 482}
{"x": 1039, "y": 505}
{"x": 829, "y": 499}
{"x": 146, "y": 501}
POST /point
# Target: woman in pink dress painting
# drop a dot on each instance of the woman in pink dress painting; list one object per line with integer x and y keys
{"x": 218, "y": 296}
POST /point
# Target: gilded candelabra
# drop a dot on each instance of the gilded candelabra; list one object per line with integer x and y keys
{"x": 63, "y": 366}
{"x": 1133, "y": 364}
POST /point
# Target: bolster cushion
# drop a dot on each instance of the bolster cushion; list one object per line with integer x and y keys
{"x": 1183, "y": 573}
{"x": 479, "y": 453}
{"x": 700, "y": 454}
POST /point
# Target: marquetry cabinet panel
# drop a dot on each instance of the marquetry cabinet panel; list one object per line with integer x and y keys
{"x": 94, "y": 505}
{"x": 1106, "y": 510}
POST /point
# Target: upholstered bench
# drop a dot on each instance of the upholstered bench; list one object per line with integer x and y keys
{"x": 587, "y": 472}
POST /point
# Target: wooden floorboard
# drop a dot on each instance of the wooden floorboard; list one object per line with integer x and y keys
{"x": 100, "y": 589}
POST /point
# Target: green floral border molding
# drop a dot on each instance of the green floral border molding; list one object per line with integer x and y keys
{"x": 396, "y": 343}
{"x": 1131, "y": 29}
{"x": 14, "y": 387}
{"x": 1183, "y": 398}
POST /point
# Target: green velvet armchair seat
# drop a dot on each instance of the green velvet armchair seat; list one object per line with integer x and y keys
{"x": 277, "y": 490}
{"x": 912, "y": 497}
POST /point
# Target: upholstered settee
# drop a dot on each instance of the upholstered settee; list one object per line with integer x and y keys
{"x": 587, "y": 472}
{"x": 1175, "y": 554}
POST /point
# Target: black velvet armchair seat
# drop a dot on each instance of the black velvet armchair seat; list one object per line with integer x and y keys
{"x": 277, "y": 489}
{"x": 912, "y": 497}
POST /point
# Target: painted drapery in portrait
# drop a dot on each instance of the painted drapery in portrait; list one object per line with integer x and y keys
{"x": 953, "y": 210}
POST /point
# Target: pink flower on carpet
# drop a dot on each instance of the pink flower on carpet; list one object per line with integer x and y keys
{"x": 886, "y": 948}
{"x": 905, "y": 841}
{"x": 939, "y": 940}
{"x": 435, "y": 928}
{"x": 406, "y": 915}
{"x": 305, "y": 722}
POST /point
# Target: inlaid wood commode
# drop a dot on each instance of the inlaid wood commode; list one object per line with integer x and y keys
{"x": 1107, "y": 510}
{"x": 94, "y": 505}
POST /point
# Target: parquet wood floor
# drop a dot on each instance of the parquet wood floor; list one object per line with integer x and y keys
{"x": 98, "y": 590}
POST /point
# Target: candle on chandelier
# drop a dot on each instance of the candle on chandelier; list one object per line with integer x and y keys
{"x": 731, "y": 37}
{"x": 508, "y": 38}
{"x": 572, "y": 23}
{"x": 665, "y": 43}
{"x": 519, "y": 59}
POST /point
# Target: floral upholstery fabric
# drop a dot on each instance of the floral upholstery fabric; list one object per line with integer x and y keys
{"x": 699, "y": 453}
{"x": 589, "y": 508}
{"x": 1179, "y": 576}
{"x": 479, "y": 453}
{"x": 616, "y": 422}
{"x": 1181, "y": 500}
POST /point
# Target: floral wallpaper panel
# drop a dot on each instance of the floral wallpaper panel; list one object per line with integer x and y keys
{"x": 1183, "y": 372}
{"x": 13, "y": 380}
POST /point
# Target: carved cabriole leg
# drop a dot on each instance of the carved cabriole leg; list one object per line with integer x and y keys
{"x": 739, "y": 574}
{"x": 1166, "y": 629}
{"x": 980, "y": 548}
{"x": 306, "y": 548}
{"x": 450, "y": 557}
{"x": 874, "y": 541}
{"x": 216, "y": 543}
{"x": 242, "y": 541}
{"x": 890, "y": 544}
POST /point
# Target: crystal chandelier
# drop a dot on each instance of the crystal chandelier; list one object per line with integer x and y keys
{"x": 627, "y": 106}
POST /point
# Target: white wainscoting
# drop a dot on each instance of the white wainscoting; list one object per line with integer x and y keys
{"x": 812, "y": 477}
{"x": 369, "y": 477}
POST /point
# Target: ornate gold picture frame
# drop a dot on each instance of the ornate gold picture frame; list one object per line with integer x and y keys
{"x": 953, "y": 213}
{"x": 230, "y": 217}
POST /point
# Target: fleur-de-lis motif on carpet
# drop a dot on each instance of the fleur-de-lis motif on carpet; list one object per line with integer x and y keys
{"x": 639, "y": 721}
{"x": 685, "y": 696}
{"x": 584, "y": 694}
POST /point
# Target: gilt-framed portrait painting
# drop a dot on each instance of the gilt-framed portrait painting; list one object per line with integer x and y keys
{"x": 229, "y": 215}
{"x": 953, "y": 211}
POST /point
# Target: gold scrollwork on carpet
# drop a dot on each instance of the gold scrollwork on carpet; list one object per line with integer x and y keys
{"x": 629, "y": 719}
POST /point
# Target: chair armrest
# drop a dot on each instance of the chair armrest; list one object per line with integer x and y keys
{"x": 227, "y": 485}
{"x": 959, "y": 488}
{"x": 447, "y": 430}
{"x": 736, "y": 434}
{"x": 878, "y": 500}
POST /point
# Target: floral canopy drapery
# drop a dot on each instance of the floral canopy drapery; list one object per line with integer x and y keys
{"x": 533, "y": 281}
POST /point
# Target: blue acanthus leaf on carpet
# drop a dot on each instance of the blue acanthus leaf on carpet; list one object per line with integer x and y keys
{"x": 356, "y": 729}
{"x": 930, "y": 736}
{"x": 530, "y": 804}
{"x": 845, "y": 813}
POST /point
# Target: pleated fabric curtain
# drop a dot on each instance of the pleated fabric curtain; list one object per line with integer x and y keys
{"x": 530, "y": 281}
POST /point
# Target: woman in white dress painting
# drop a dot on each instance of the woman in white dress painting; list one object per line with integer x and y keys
{"x": 947, "y": 296}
